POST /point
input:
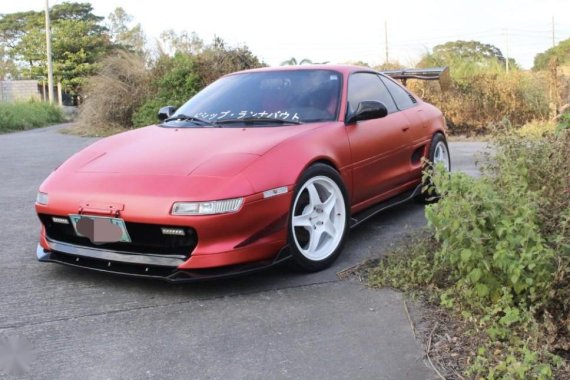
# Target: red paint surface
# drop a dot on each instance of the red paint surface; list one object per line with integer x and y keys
{"x": 148, "y": 169}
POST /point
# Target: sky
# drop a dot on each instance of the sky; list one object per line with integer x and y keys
{"x": 341, "y": 32}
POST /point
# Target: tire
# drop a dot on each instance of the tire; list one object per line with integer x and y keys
{"x": 319, "y": 219}
{"x": 438, "y": 154}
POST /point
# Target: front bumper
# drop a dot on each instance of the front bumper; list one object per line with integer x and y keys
{"x": 249, "y": 238}
{"x": 146, "y": 266}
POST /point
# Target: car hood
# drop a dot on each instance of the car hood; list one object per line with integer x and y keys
{"x": 154, "y": 150}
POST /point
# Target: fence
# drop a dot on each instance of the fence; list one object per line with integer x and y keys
{"x": 12, "y": 90}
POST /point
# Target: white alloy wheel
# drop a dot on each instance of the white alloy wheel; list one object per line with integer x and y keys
{"x": 319, "y": 218}
{"x": 441, "y": 155}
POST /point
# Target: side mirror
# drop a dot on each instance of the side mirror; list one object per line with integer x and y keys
{"x": 367, "y": 110}
{"x": 165, "y": 112}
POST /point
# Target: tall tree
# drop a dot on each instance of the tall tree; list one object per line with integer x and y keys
{"x": 8, "y": 68}
{"x": 172, "y": 42}
{"x": 218, "y": 59}
{"x": 560, "y": 53}
{"x": 125, "y": 36}
{"x": 467, "y": 58}
{"x": 473, "y": 50}
{"x": 79, "y": 40}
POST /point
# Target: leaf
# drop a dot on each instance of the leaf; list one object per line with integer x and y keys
{"x": 465, "y": 255}
{"x": 475, "y": 275}
{"x": 482, "y": 290}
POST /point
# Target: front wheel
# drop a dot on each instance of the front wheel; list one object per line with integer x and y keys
{"x": 318, "y": 222}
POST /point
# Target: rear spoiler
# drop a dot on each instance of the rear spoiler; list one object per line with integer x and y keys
{"x": 440, "y": 74}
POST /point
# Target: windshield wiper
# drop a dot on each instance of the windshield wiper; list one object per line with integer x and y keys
{"x": 251, "y": 120}
{"x": 194, "y": 119}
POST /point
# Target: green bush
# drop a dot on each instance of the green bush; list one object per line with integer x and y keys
{"x": 498, "y": 254}
{"x": 490, "y": 239}
{"x": 19, "y": 116}
{"x": 175, "y": 81}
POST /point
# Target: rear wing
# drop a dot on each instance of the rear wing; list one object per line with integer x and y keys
{"x": 440, "y": 74}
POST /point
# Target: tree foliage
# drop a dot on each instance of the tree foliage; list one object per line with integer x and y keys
{"x": 193, "y": 66}
{"x": 560, "y": 52}
{"x": 467, "y": 58}
{"x": 172, "y": 42}
{"x": 123, "y": 35}
{"x": 79, "y": 41}
{"x": 481, "y": 93}
{"x": 8, "y": 68}
{"x": 218, "y": 59}
{"x": 473, "y": 50}
{"x": 294, "y": 62}
{"x": 131, "y": 91}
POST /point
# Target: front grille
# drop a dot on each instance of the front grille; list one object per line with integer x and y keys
{"x": 145, "y": 238}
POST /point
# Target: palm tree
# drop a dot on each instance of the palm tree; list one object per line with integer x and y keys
{"x": 293, "y": 61}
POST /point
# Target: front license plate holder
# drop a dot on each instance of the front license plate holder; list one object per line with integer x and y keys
{"x": 99, "y": 232}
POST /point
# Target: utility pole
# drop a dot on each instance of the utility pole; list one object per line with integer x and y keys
{"x": 49, "y": 62}
{"x": 386, "y": 38}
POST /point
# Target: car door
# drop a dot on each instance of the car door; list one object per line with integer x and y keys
{"x": 377, "y": 145}
{"x": 416, "y": 135}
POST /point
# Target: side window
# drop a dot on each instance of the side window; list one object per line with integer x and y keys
{"x": 402, "y": 97}
{"x": 367, "y": 86}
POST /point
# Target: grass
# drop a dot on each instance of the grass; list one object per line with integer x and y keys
{"x": 20, "y": 116}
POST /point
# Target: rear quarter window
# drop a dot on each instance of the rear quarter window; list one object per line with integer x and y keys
{"x": 403, "y": 98}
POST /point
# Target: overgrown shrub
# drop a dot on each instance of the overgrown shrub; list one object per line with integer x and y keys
{"x": 176, "y": 79}
{"x": 128, "y": 92}
{"x": 112, "y": 96}
{"x": 219, "y": 59}
{"x": 537, "y": 129}
{"x": 19, "y": 116}
{"x": 499, "y": 256}
{"x": 476, "y": 101}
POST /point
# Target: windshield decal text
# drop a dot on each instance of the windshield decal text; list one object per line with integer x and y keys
{"x": 281, "y": 115}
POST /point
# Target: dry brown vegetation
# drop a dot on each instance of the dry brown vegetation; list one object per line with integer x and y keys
{"x": 113, "y": 95}
{"x": 472, "y": 104}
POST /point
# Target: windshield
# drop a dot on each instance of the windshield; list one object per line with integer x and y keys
{"x": 268, "y": 98}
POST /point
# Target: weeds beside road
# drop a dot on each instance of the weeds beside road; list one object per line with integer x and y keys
{"x": 19, "y": 116}
{"x": 496, "y": 259}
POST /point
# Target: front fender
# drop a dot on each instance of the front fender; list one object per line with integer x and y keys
{"x": 284, "y": 164}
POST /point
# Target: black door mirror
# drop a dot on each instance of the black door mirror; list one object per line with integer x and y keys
{"x": 367, "y": 110}
{"x": 165, "y": 112}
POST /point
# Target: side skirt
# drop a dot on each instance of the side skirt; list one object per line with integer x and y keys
{"x": 406, "y": 196}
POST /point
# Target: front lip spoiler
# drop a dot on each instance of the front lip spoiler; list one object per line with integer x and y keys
{"x": 124, "y": 257}
{"x": 140, "y": 266}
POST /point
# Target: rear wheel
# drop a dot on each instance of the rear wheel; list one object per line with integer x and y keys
{"x": 318, "y": 222}
{"x": 438, "y": 155}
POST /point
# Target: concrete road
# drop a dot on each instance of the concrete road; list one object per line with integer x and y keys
{"x": 275, "y": 324}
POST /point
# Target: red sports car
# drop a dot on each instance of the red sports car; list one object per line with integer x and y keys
{"x": 260, "y": 167}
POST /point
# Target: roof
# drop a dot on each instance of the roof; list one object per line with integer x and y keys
{"x": 345, "y": 69}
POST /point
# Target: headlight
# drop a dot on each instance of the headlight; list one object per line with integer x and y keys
{"x": 42, "y": 198}
{"x": 207, "y": 208}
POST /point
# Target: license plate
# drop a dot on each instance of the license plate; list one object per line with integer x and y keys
{"x": 100, "y": 229}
